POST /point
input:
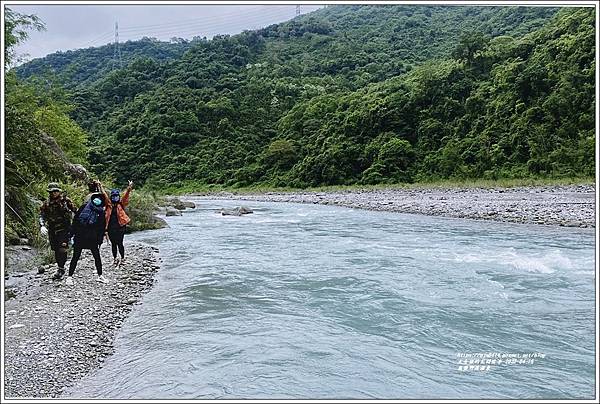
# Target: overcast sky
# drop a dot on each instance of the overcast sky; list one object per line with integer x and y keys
{"x": 84, "y": 25}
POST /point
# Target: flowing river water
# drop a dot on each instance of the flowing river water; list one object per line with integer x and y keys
{"x": 308, "y": 301}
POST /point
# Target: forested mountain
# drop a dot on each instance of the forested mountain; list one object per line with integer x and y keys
{"x": 364, "y": 43}
{"x": 85, "y": 66}
{"x": 354, "y": 94}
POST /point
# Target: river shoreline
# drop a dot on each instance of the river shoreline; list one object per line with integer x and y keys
{"x": 569, "y": 205}
{"x": 55, "y": 334}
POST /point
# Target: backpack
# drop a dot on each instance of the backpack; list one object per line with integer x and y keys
{"x": 89, "y": 214}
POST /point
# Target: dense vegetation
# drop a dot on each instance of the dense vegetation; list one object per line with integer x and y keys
{"x": 83, "y": 67}
{"x": 42, "y": 143}
{"x": 35, "y": 122}
{"x": 350, "y": 94}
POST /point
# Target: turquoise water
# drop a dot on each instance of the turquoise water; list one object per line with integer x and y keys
{"x": 308, "y": 301}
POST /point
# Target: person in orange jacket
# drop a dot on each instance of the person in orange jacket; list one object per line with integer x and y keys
{"x": 117, "y": 221}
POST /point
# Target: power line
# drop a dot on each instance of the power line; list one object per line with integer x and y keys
{"x": 201, "y": 28}
{"x": 168, "y": 27}
{"x": 193, "y": 26}
{"x": 106, "y": 35}
{"x": 195, "y": 20}
{"x": 203, "y": 24}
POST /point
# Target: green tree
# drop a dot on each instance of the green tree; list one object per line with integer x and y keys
{"x": 16, "y": 26}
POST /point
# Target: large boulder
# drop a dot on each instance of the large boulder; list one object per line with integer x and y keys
{"x": 76, "y": 172}
{"x": 238, "y": 211}
{"x": 189, "y": 204}
{"x": 159, "y": 222}
{"x": 175, "y": 202}
{"x": 159, "y": 210}
{"x": 171, "y": 211}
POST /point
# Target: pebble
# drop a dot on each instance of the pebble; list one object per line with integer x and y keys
{"x": 565, "y": 205}
{"x": 48, "y": 345}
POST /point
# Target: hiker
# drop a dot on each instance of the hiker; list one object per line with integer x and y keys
{"x": 92, "y": 189}
{"x": 88, "y": 233}
{"x": 55, "y": 222}
{"x": 117, "y": 221}
{"x": 95, "y": 187}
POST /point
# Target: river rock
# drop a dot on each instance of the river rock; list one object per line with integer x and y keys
{"x": 77, "y": 325}
{"x": 238, "y": 211}
{"x": 173, "y": 212}
{"x": 160, "y": 210}
{"x": 565, "y": 205}
{"x": 159, "y": 222}
{"x": 174, "y": 202}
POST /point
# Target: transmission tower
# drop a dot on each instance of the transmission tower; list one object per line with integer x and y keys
{"x": 297, "y": 10}
{"x": 117, "y": 50}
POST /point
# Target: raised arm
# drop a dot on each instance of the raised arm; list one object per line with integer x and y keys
{"x": 103, "y": 192}
{"x": 125, "y": 200}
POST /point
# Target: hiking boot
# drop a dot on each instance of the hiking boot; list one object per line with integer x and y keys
{"x": 116, "y": 262}
{"x": 102, "y": 279}
{"x": 69, "y": 281}
{"x": 59, "y": 274}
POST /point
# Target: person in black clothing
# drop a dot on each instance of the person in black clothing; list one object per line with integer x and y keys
{"x": 117, "y": 221}
{"x": 116, "y": 234}
{"x": 88, "y": 236}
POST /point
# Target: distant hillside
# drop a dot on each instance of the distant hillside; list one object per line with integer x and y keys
{"x": 363, "y": 43}
{"x": 355, "y": 94}
{"x": 85, "y": 66}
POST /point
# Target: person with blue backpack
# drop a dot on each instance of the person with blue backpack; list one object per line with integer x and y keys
{"x": 88, "y": 233}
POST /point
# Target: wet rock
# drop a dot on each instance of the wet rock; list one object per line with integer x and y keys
{"x": 238, "y": 211}
{"x": 174, "y": 202}
{"x": 159, "y": 222}
{"x": 173, "y": 212}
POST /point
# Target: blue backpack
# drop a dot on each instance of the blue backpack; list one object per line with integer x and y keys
{"x": 89, "y": 214}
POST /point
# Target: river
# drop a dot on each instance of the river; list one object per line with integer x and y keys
{"x": 309, "y": 301}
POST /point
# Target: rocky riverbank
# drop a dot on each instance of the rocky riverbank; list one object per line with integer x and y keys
{"x": 572, "y": 206}
{"x": 55, "y": 334}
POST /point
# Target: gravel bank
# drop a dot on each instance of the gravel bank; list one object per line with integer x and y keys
{"x": 55, "y": 334}
{"x": 572, "y": 206}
